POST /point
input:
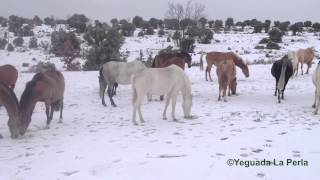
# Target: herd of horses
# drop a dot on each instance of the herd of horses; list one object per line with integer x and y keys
{"x": 166, "y": 77}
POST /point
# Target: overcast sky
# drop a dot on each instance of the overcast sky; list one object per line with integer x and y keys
{"x": 293, "y": 10}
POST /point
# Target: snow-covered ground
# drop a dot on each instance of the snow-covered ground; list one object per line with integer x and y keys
{"x": 96, "y": 142}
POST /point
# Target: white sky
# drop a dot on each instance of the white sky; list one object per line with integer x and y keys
{"x": 293, "y": 10}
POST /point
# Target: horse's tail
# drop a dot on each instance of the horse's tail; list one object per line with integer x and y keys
{"x": 102, "y": 83}
{"x": 201, "y": 61}
{"x": 224, "y": 73}
{"x": 154, "y": 62}
{"x": 281, "y": 82}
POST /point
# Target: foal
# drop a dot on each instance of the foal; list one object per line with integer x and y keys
{"x": 226, "y": 72}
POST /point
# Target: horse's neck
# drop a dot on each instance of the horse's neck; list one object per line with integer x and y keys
{"x": 239, "y": 62}
{"x": 10, "y": 105}
{"x": 28, "y": 108}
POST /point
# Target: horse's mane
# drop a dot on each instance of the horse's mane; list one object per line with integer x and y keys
{"x": 25, "y": 97}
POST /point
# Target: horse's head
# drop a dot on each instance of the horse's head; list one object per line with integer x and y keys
{"x": 187, "y": 58}
{"x": 14, "y": 126}
{"x": 233, "y": 86}
{"x": 24, "y": 123}
{"x": 245, "y": 70}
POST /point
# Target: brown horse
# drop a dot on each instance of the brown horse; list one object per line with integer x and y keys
{"x": 8, "y": 75}
{"x": 217, "y": 57}
{"x": 178, "y": 58}
{"x": 226, "y": 72}
{"x": 47, "y": 87}
{"x": 165, "y": 59}
{"x": 305, "y": 56}
{"x": 10, "y": 102}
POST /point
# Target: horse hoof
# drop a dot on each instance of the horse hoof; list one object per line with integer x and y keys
{"x": 104, "y": 105}
{"x": 47, "y": 127}
{"x": 114, "y": 105}
{"x": 60, "y": 121}
{"x": 315, "y": 113}
{"x": 175, "y": 119}
{"x": 313, "y": 106}
{"x": 164, "y": 118}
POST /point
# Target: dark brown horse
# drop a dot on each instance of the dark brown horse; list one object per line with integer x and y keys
{"x": 9, "y": 100}
{"x": 165, "y": 59}
{"x": 8, "y": 75}
{"x": 217, "y": 57}
{"x": 178, "y": 58}
{"x": 47, "y": 87}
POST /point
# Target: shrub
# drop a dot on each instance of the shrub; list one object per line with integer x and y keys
{"x": 297, "y": 27}
{"x": 18, "y": 42}
{"x": 78, "y": 21}
{"x": 206, "y": 35}
{"x": 61, "y": 39}
{"x": 272, "y": 45}
{"x": 42, "y": 67}
{"x": 187, "y": 44}
{"x": 10, "y": 47}
{"x": 161, "y": 32}
{"x": 275, "y": 35}
{"x": 140, "y": 34}
{"x": 149, "y": 31}
{"x": 3, "y": 43}
{"x": 33, "y": 43}
{"x": 264, "y": 41}
{"x": 127, "y": 29}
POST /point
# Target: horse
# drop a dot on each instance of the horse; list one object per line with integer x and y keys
{"x": 179, "y": 58}
{"x": 294, "y": 60}
{"x": 281, "y": 70}
{"x": 8, "y": 75}
{"x": 9, "y": 100}
{"x": 226, "y": 72}
{"x": 217, "y": 57}
{"x": 165, "y": 59}
{"x": 47, "y": 87}
{"x": 114, "y": 72}
{"x": 170, "y": 81}
{"x": 316, "y": 82}
{"x": 305, "y": 56}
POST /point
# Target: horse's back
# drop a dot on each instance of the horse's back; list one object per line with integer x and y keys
{"x": 50, "y": 84}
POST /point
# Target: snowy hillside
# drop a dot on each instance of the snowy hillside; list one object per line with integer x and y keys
{"x": 96, "y": 142}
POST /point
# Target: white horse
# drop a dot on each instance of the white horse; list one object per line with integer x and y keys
{"x": 115, "y": 72}
{"x": 316, "y": 82}
{"x": 157, "y": 81}
{"x": 292, "y": 55}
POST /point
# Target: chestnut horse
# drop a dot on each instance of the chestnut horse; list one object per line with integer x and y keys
{"x": 165, "y": 59}
{"x": 8, "y": 75}
{"x": 217, "y": 57}
{"x": 47, "y": 87}
{"x": 305, "y": 56}
{"x": 226, "y": 72}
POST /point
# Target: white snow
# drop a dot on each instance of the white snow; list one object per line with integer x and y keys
{"x": 96, "y": 142}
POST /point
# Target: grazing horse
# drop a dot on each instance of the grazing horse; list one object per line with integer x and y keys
{"x": 217, "y": 57}
{"x": 47, "y": 87}
{"x": 316, "y": 82}
{"x": 114, "y": 72}
{"x": 305, "y": 56}
{"x": 226, "y": 72}
{"x": 10, "y": 102}
{"x": 170, "y": 81}
{"x": 281, "y": 70}
{"x": 8, "y": 75}
{"x": 179, "y": 58}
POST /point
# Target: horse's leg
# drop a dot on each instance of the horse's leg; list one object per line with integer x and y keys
{"x": 134, "y": 114}
{"x": 61, "y": 110}
{"x": 47, "y": 114}
{"x": 219, "y": 97}
{"x": 174, "y": 101}
{"x": 275, "y": 92}
{"x": 317, "y": 108}
{"x": 51, "y": 112}
{"x": 206, "y": 73}
{"x": 103, "y": 92}
{"x": 110, "y": 94}
{"x": 209, "y": 72}
{"x": 309, "y": 65}
{"x": 224, "y": 94}
{"x": 279, "y": 92}
{"x": 301, "y": 68}
{"x": 315, "y": 99}
{"x": 164, "y": 115}
{"x": 161, "y": 97}
{"x": 149, "y": 96}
